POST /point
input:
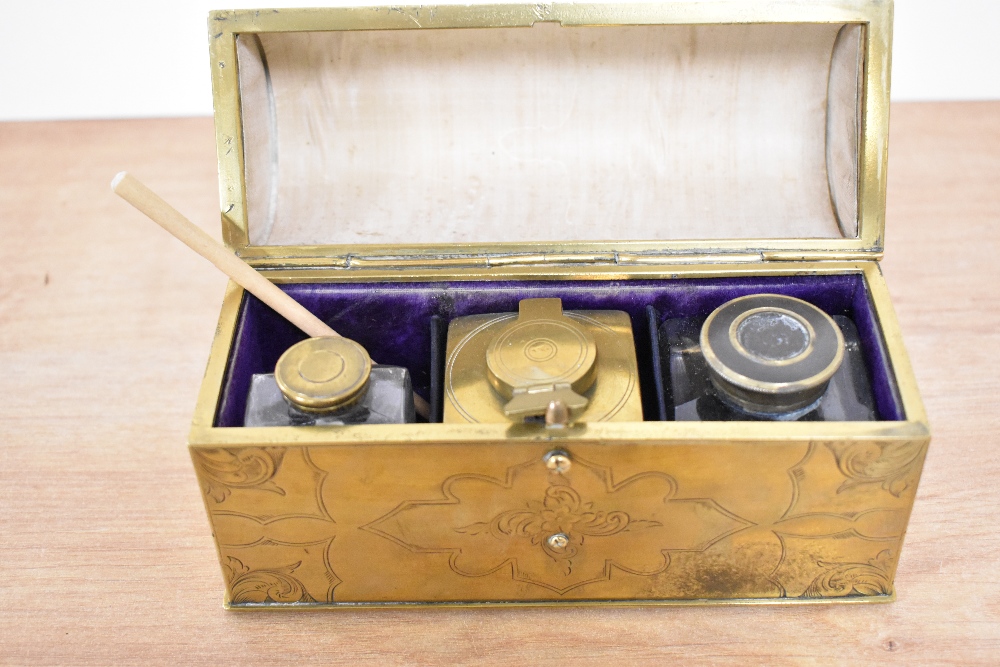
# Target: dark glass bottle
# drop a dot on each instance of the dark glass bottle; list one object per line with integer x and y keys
{"x": 691, "y": 396}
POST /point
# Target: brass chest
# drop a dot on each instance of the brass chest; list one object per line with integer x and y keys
{"x": 397, "y": 168}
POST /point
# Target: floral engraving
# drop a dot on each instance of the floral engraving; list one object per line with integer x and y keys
{"x": 561, "y": 512}
{"x": 892, "y": 465}
{"x": 487, "y": 525}
{"x": 262, "y": 586}
{"x": 850, "y": 579}
{"x": 222, "y": 470}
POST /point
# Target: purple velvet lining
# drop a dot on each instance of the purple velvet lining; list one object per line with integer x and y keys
{"x": 392, "y": 321}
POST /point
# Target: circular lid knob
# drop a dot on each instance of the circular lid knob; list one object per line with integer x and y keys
{"x": 541, "y": 347}
{"x": 770, "y": 354}
{"x": 323, "y": 373}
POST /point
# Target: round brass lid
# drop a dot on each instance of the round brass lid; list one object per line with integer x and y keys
{"x": 541, "y": 347}
{"x": 324, "y": 373}
{"x": 770, "y": 354}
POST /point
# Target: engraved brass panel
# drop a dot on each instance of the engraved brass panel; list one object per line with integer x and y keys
{"x": 494, "y": 522}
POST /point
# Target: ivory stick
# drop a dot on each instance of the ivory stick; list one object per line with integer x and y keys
{"x": 148, "y": 202}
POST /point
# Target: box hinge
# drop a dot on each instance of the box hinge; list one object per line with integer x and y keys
{"x": 492, "y": 261}
{"x": 480, "y": 261}
{"x": 647, "y": 259}
{"x": 506, "y": 260}
{"x": 818, "y": 256}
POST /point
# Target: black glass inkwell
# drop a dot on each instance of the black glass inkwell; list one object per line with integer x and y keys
{"x": 765, "y": 357}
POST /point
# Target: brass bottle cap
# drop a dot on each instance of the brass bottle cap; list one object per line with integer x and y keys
{"x": 771, "y": 354}
{"x": 325, "y": 373}
{"x": 541, "y": 352}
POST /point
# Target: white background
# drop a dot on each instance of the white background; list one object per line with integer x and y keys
{"x": 129, "y": 58}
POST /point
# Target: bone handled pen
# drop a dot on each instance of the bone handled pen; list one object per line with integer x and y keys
{"x": 156, "y": 209}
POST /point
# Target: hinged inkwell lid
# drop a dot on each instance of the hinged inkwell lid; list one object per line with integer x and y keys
{"x": 540, "y": 357}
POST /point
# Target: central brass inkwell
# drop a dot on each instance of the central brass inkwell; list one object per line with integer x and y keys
{"x": 507, "y": 367}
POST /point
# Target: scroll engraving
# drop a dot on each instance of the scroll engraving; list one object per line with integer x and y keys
{"x": 892, "y": 465}
{"x": 274, "y": 547}
{"x": 829, "y": 536}
{"x": 847, "y": 579}
{"x": 245, "y": 468}
{"x": 262, "y": 586}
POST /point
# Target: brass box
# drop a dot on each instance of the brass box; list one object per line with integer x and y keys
{"x": 390, "y": 164}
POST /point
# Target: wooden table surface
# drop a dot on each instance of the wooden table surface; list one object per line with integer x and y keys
{"x": 105, "y": 324}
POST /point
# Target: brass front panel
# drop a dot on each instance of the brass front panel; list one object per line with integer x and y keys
{"x": 457, "y": 523}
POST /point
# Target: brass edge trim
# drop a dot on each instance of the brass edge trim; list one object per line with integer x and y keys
{"x": 228, "y": 135}
{"x": 762, "y": 434}
{"x": 269, "y": 263}
{"x": 749, "y": 248}
{"x": 815, "y": 256}
{"x": 397, "y": 263}
{"x": 527, "y": 253}
{"x": 274, "y": 261}
{"x": 576, "y": 272}
{"x": 818, "y": 247}
{"x": 561, "y": 272}
{"x": 211, "y": 386}
{"x": 597, "y": 602}
{"x": 527, "y": 14}
{"x": 874, "y": 137}
{"x": 491, "y": 261}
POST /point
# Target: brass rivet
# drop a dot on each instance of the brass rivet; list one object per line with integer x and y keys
{"x": 558, "y": 542}
{"x": 557, "y": 461}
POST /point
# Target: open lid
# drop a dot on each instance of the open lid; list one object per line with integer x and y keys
{"x": 629, "y": 132}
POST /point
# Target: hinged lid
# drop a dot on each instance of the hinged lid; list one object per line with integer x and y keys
{"x": 536, "y": 133}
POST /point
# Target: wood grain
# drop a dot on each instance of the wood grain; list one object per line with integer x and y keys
{"x": 105, "y": 552}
